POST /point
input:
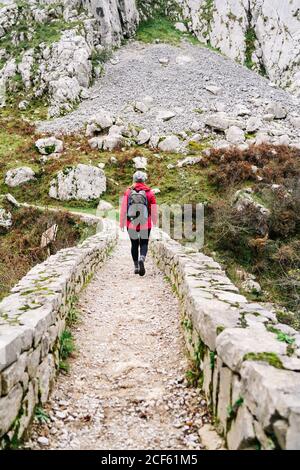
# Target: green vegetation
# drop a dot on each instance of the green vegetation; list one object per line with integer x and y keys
{"x": 67, "y": 348}
{"x": 44, "y": 33}
{"x": 206, "y": 14}
{"x": 245, "y": 240}
{"x": 281, "y": 336}
{"x": 233, "y": 409}
{"x": 99, "y": 58}
{"x": 250, "y": 38}
{"x": 41, "y": 416}
{"x": 271, "y": 358}
{"x": 20, "y": 247}
{"x": 162, "y": 29}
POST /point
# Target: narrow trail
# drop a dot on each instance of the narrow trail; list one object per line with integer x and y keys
{"x": 126, "y": 388}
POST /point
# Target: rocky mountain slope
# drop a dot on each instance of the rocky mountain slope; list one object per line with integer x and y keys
{"x": 55, "y": 50}
{"x": 262, "y": 34}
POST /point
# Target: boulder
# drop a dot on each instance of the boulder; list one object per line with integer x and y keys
{"x": 165, "y": 115}
{"x": 112, "y": 142}
{"x": 188, "y": 161}
{"x": 83, "y": 182}
{"x": 254, "y": 124}
{"x": 251, "y": 286}
{"x": 5, "y": 219}
{"x": 296, "y": 122}
{"x": 141, "y": 107}
{"x": 49, "y": 145}
{"x": 19, "y": 176}
{"x": 181, "y": 27}
{"x": 143, "y": 137}
{"x": 278, "y": 111}
{"x": 140, "y": 163}
{"x": 104, "y": 207}
{"x": 170, "y": 144}
{"x": 195, "y": 126}
{"x": 243, "y": 199}
{"x": 96, "y": 143}
{"x": 262, "y": 138}
{"x": 98, "y": 123}
{"x": 215, "y": 90}
{"x": 235, "y": 135}
{"x": 222, "y": 121}
{"x": 242, "y": 110}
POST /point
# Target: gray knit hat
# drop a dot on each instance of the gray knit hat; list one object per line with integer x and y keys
{"x": 140, "y": 177}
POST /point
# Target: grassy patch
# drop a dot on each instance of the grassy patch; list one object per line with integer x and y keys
{"x": 20, "y": 246}
{"x": 67, "y": 348}
{"x": 250, "y": 38}
{"x": 162, "y": 29}
{"x": 271, "y": 358}
{"x": 41, "y": 416}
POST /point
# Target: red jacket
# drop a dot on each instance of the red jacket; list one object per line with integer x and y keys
{"x": 152, "y": 207}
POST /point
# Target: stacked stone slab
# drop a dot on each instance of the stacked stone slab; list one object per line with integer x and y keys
{"x": 32, "y": 320}
{"x": 250, "y": 378}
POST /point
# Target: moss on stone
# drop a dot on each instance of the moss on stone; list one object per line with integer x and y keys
{"x": 271, "y": 358}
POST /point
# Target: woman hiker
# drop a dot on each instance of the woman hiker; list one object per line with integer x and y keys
{"x": 138, "y": 213}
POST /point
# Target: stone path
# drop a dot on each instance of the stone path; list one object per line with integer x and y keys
{"x": 126, "y": 388}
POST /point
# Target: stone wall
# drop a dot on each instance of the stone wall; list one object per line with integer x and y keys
{"x": 32, "y": 320}
{"x": 265, "y": 33}
{"x": 248, "y": 363}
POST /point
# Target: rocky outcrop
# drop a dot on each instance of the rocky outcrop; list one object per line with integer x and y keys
{"x": 83, "y": 182}
{"x": 248, "y": 363}
{"x": 61, "y": 46}
{"x": 263, "y": 34}
{"x": 19, "y": 176}
{"x": 32, "y": 320}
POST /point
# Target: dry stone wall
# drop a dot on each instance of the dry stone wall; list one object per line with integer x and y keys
{"x": 32, "y": 320}
{"x": 248, "y": 363}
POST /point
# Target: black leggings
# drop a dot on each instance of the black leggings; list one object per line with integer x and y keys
{"x": 139, "y": 240}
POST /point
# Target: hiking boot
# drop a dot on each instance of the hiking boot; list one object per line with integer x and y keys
{"x": 142, "y": 270}
{"x": 136, "y": 267}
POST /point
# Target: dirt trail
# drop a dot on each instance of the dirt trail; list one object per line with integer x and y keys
{"x": 126, "y": 388}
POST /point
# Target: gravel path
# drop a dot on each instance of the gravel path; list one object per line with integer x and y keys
{"x": 179, "y": 86}
{"x": 126, "y": 388}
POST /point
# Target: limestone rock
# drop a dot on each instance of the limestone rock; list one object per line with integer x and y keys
{"x": 19, "y": 176}
{"x": 221, "y": 121}
{"x": 170, "y": 144}
{"x": 5, "y": 219}
{"x": 251, "y": 286}
{"x": 277, "y": 110}
{"x": 254, "y": 124}
{"x": 104, "y": 206}
{"x": 9, "y": 408}
{"x": 188, "y": 161}
{"x": 140, "y": 163}
{"x": 83, "y": 182}
{"x": 49, "y": 145}
{"x": 241, "y": 435}
{"x": 143, "y": 137}
{"x": 112, "y": 142}
{"x": 235, "y": 135}
{"x": 99, "y": 122}
{"x": 270, "y": 392}
{"x": 165, "y": 115}
{"x": 180, "y": 27}
{"x": 215, "y": 90}
{"x": 234, "y": 344}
